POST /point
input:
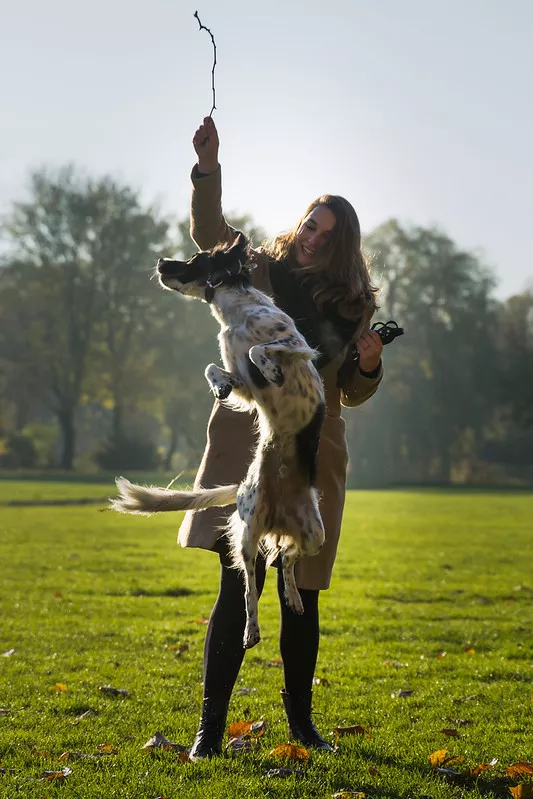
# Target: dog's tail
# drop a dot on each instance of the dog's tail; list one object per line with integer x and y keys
{"x": 143, "y": 499}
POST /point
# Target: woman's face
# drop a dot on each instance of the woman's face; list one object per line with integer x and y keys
{"x": 313, "y": 235}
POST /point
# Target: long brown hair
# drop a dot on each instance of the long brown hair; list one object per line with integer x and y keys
{"x": 341, "y": 275}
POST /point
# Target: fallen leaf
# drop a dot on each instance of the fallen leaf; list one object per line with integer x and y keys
{"x": 348, "y": 795}
{"x": 158, "y": 741}
{"x": 281, "y": 772}
{"x": 276, "y": 662}
{"x": 448, "y": 772}
{"x": 40, "y": 753}
{"x": 522, "y": 791}
{"x": 60, "y": 687}
{"x": 242, "y": 744}
{"x": 451, "y": 731}
{"x": 78, "y": 755}
{"x": 258, "y": 728}
{"x": 469, "y": 650}
{"x": 475, "y": 772}
{"x": 238, "y": 728}
{"x": 110, "y": 691}
{"x": 8, "y": 653}
{"x": 395, "y": 663}
{"x": 179, "y": 649}
{"x": 440, "y": 655}
{"x": 454, "y": 760}
{"x": 402, "y": 694}
{"x": 86, "y": 715}
{"x": 465, "y": 699}
{"x": 244, "y": 691}
{"x": 201, "y": 621}
{"x": 290, "y": 751}
{"x": 56, "y": 775}
{"x": 438, "y": 757}
{"x": 517, "y": 770}
{"x": 356, "y": 729}
{"x": 321, "y": 681}
{"x": 107, "y": 749}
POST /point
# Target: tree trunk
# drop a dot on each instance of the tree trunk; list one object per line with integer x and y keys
{"x": 68, "y": 431}
{"x": 171, "y": 449}
{"x": 117, "y": 420}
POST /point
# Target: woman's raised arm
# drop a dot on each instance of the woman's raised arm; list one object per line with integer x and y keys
{"x": 208, "y": 225}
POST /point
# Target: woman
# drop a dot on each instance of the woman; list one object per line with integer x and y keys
{"x": 318, "y": 276}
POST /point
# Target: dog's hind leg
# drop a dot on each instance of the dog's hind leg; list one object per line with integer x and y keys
{"x": 244, "y": 535}
{"x": 220, "y": 381}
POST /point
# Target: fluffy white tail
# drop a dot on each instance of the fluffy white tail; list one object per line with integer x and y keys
{"x": 143, "y": 499}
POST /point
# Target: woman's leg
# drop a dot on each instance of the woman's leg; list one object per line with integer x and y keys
{"x": 223, "y": 653}
{"x": 299, "y": 641}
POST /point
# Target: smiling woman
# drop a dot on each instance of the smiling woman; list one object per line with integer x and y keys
{"x": 317, "y": 275}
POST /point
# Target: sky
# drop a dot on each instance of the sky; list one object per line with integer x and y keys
{"x": 420, "y": 110}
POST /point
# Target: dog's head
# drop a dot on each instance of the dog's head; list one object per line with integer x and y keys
{"x": 205, "y": 271}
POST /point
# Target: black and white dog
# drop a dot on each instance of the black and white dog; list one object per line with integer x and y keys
{"x": 268, "y": 367}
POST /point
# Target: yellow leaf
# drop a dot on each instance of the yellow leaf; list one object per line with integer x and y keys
{"x": 453, "y": 761}
{"x": 516, "y": 770}
{"x": 469, "y": 650}
{"x": 356, "y": 729}
{"x": 107, "y": 748}
{"x": 348, "y": 795}
{"x": 290, "y": 751}
{"x": 483, "y": 767}
{"x": 523, "y": 791}
{"x": 60, "y": 687}
{"x": 438, "y": 757}
{"x": 238, "y": 728}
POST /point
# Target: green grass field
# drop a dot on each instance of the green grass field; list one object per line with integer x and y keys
{"x": 432, "y": 594}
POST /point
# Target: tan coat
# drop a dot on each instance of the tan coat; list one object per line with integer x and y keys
{"x": 230, "y": 440}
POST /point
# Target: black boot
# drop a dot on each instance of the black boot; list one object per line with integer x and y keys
{"x": 208, "y": 741}
{"x": 301, "y": 727}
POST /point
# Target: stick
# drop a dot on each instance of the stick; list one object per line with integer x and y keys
{"x": 202, "y": 27}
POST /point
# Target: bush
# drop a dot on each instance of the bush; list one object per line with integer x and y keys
{"x": 19, "y": 452}
{"x": 123, "y": 452}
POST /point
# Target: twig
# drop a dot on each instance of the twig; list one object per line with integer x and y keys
{"x": 202, "y": 27}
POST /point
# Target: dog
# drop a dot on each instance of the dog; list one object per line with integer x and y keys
{"x": 268, "y": 367}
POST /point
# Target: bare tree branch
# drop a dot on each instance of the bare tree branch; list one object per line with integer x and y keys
{"x": 202, "y": 27}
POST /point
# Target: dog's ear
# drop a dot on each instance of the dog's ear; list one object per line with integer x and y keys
{"x": 238, "y": 247}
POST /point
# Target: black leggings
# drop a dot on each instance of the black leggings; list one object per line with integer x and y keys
{"x": 224, "y": 652}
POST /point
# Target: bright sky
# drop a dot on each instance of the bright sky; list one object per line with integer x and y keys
{"x": 419, "y": 109}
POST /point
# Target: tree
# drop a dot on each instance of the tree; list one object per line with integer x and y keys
{"x": 65, "y": 246}
{"x": 439, "y": 380}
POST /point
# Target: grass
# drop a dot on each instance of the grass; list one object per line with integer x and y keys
{"x": 90, "y": 599}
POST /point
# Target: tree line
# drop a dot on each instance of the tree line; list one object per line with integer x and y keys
{"x": 100, "y": 368}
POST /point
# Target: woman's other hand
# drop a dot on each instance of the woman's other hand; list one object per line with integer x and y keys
{"x": 370, "y": 347}
{"x": 205, "y": 142}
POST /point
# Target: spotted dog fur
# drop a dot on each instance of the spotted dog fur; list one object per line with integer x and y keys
{"x": 268, "y": 367}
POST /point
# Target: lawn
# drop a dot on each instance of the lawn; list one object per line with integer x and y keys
{"x": 427, "y": 645}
